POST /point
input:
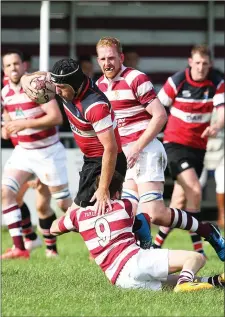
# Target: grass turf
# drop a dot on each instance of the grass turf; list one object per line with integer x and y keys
{"x": 71, "y": 285}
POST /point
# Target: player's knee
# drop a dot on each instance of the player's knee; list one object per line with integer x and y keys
{"x": 194, "y": 192}
{"x": 63, "y": 204}
{"x": 198, "y": 258}
{"x": 157, "y": 213}
{"x": 63, "y": 198}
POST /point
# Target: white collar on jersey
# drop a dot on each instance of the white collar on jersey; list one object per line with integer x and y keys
{"x": 106, "y": 80}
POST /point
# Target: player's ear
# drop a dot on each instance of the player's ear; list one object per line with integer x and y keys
{"x": 122, "y": 57}
{"x": 190, "y": 61}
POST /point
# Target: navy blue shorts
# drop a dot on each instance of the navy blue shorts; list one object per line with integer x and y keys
{"x": 91, "y": 169}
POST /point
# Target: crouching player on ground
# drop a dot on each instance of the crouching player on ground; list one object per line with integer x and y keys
{"x": 112, "y": 244}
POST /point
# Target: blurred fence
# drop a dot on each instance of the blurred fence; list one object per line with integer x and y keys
{"x": 161, "y": 32}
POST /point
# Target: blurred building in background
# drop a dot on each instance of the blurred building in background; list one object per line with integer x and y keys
{"x": 162, "y": 33}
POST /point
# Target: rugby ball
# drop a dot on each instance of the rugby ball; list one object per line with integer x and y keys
{"x": 46, "y": 90}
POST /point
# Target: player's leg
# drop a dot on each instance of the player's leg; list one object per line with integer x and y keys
{"x": 52, "y": 171}
{"x": 62, "y": 196}
{"x": 190, "y": 183}
{"x": 27, "y": 227}
{"x": 11, "y": 183}
{"x": 150, "y": 167}
{"x": 188, "y": 263}
{"x": 153, "y": 204}
{"x": 141, "y": 227}
{"x": 217, "y": 280}
{"x": 185, "y": 165}
{"x": 46, "y": 217}
{"x": 178, "y": 199}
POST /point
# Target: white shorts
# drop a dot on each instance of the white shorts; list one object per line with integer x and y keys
{"x": 48, "y": 164}
{"x": 150, "y": 165}
{"x": 146, "y": 269}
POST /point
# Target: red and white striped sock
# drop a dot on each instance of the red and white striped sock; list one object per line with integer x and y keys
{"x": 184, "y": 220}
{"x": 185, "y": 276}
{"x": 161, "y": 236}
{"x": 12, "y": 217}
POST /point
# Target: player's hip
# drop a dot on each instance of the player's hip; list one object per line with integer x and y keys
{"x": 150, "y": 165}
{"x": 146, "y": 269}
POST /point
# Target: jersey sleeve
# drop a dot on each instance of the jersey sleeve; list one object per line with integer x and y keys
{"x": 218, "y": 99}
{"x": 68, "y": 222}
{"x": 141, "y": 86}
{"x": 169, "y": 91}
{"x": 99, "y": 115}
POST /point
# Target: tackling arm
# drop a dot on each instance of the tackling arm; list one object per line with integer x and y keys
{"x": 109, "y": 158}
{"x": 62, "y": 225}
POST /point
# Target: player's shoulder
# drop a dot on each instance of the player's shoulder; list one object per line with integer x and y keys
{"x": 134, "y": 77}
{"x": 93, "y": 96}
{"x": 132, "y": 72}
{"x": 216, "y": 76}
{"x": 178, "y": 77}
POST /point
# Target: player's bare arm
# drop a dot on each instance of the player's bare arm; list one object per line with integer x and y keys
{"x": 109, "y": 158}
{"x": 62, "y": 225}
{"x": 52, "y": 118}
{"x": 156, "y": 124}
{"x": 4, "y": 132}
{"x": 26, "y": 80}
{"x": 213, "y": 129}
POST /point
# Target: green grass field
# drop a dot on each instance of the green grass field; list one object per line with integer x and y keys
{"x": 73, "y": 286}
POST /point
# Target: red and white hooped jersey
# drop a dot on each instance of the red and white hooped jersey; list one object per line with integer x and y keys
{"x": 130, "y": 92}
{"x": 19, "y": 106}
{"x": 109, "y": 237}
{"x": 191, "y": 105}
{"x": 89, "y": 115}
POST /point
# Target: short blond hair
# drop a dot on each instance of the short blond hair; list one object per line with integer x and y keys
{"x": 110, "y": 41}
{"x": 202, "y": 49}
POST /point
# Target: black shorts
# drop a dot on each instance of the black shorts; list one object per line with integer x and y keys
{"x": 91, "y": 169}
{"x": 181, "y": 158}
